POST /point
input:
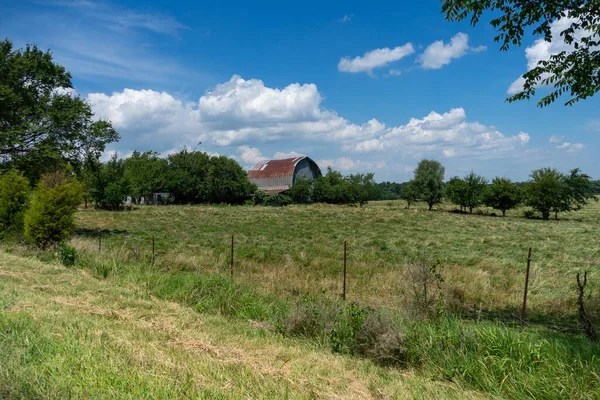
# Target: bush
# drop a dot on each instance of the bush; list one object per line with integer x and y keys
{"x": 14, "y": 193}
{"x": 312, "y": 318}
{"x": 381, "y": 339}
{"x": 422, "y": 288}
{"x": 347, "y": 324}
{"x": 67, "y": 255}
{"x": 51, "y": 217}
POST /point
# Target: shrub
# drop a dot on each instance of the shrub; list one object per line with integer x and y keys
{"x": 312, "y": 318}
{"x": 14, "y": 192}
{"x": 67, "y": 255}
{"x": 51, "y": 217}
{"x": 422, "y": 287}
{"x": 381, "y": 339}
{"x": 347, "y": 324}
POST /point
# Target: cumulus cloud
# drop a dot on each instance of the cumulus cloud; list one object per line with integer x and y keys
{"x": 449, "y": 134}
{"x": 438, "y": 54}
{"x": 252, "y": 121}
{"x": 346, "y": 164}
{"x": 542, "y": 50}
{"x": 570, "y": 147}
{"x": 250, "y": 155}
{"x": 556, "y": 139}
{"x": 282, "y": 155}
{"x": 375, "y": 59}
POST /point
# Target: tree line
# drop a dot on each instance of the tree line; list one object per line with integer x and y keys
{"x": 547, "y": 191}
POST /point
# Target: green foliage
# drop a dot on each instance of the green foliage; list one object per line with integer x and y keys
{"x": 277, "y": 199}
{"x": 409, "y": 193}
{"x": 502, "y": 195}
{"x": 346, "y": 326}
{"x": 146, "y": 174}
{"x": 335, "y": 188}
{"x": 573, "y": 72}
{"x": 227, "y": 181}
{"x": 388, "y": 190}
{"x": 301, "y": 191}
{"x": 14, "y": 194}
{"x": 429, "y": 181}
{"x": 67, "y": 255}
{"x": 551, "y": 191}
{"x": 546, "y": 191}
{"x": 107, "y": 182}
{"x": 466, "y": 192}
{"x": 456, "y": 192}
{"x": 41, "y": 125}
{"x": 188, "y": 176}
{"x": 361, "y": 188}
{"x": 50, "y": 219}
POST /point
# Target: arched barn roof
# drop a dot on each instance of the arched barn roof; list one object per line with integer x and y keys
{"x": 276, "y": 176}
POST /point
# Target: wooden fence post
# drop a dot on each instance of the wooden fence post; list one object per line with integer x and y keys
{"x": 232, "y": 244}
{"x": 344, "y": 287}
{"x": 526, "y": 287}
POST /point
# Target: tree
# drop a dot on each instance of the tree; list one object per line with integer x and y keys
{"x": 361, "y": 188}
{"x": 429, "y": 181}
{"x": 502, "y": 195}
{"x": 475, "y": 185}
{"x": 409, "y": 193}
{"x": 14, "y": 193}
{"x": 42, "y": 125}
{"x": 228, "y": 182}
{"x": 107, "y": 182}
{"x": 456, "y": 191}
{"x": 546, "y": 192}
{"x": 146, "y": 173}
{"x": 50, "y": 219}
{"x": 581, "y": 189}
{"x": 188, "y": 176}
{"x": 301, "y": 191}
{"x": 574, "y": 71}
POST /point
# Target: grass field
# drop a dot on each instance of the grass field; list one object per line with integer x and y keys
{"x": 299, "y": 249}
{"x": 66, "y": 334}
{"x": 121, "y": 326}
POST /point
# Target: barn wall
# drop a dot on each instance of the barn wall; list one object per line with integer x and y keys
{"x": 304, "y": 169}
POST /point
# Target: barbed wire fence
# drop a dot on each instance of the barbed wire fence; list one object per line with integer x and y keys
{"x": 348, "y": 254}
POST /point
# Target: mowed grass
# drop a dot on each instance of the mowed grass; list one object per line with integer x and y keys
{"x": 298, "y": 249}
{"x": 65, "y": 333}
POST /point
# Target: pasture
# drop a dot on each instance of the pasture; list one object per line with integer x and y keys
{"x": 298, "y": 249}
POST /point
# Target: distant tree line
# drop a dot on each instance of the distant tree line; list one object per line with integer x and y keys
{"x": 190, "y": 177}
{"x": 547, "y": 192}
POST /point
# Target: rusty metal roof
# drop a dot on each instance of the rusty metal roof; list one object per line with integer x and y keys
{"x": 277, "y": 176}
{"x": 274, "y": 168}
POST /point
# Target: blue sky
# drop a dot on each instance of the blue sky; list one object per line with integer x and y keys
{"x": 361, "y": 86}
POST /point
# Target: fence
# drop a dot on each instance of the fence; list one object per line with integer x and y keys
{"x": 346, "y": 254}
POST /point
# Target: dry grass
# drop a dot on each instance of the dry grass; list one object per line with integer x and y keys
{"x": 298, "y": 249}
{"x": 89, "y": 338}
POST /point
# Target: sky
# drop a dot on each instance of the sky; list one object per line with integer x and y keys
{"x": 358, "y": 86}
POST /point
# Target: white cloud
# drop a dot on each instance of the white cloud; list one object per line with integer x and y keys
{"x": 346, "y": 164}
{"x": 253, "y": 121}
{"x": 571, "y": 147}
{"x": 280, "y": 155}
{"x": 375, "y": 59}
{"x": 449, "y": 134}
{"x": 395, "y": 72}
{"x": 250, "y": 155}
{"x": 438, "y": 54}
{"x": 346, "y": 18}
{"x": 542, "y": 50}
{"x": 556, "y": 139}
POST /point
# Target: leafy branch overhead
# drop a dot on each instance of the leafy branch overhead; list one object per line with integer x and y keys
{"x": 574, "y": 72}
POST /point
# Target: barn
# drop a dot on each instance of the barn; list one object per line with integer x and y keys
{"x": 277, "y": 176}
